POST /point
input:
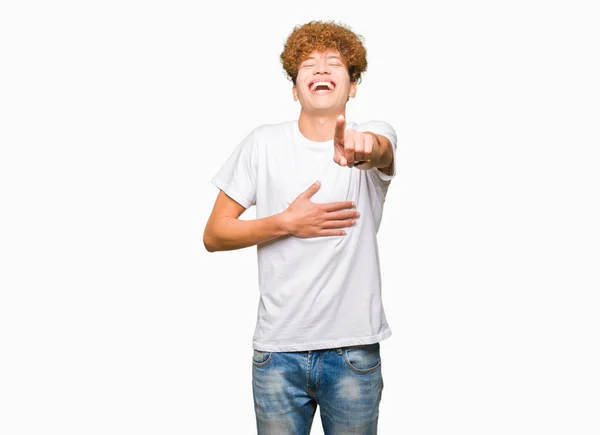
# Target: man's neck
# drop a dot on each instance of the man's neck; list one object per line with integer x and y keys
{"x": 317, "y": 128}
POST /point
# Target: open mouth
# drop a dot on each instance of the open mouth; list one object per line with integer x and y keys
{"x": 321, "y": 86}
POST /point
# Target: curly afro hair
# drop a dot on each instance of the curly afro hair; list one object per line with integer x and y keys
{"x": 319, "y": 35}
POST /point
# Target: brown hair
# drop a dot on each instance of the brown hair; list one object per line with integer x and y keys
{"x": 319, "y": 35}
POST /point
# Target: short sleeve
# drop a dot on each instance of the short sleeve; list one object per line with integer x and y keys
{"x": 238, "y": 176}
{"x": 384, "y": 129}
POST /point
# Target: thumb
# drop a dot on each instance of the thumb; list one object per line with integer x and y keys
{"x": 313, "y": 188}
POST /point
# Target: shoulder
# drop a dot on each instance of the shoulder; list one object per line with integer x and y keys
{"x": 373, "y": 123}
{"x": 266, "y": 131}
{"x": 269, "y": 137}
{"x": 275, "y": 129}
{"x": 378, "y": 127}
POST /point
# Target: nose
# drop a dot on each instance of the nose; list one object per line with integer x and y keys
{"x": 322, "y": 68}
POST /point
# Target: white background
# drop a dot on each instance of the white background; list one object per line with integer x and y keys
{"x": 114, "y": 117}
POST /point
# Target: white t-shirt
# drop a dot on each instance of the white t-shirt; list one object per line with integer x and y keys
{"x": 321, "y": 292}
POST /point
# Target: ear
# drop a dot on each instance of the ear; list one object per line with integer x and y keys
{"x": 353, "y": 88}
{"x": 295, "y": 93}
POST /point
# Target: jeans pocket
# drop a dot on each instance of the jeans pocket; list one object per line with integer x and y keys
{"x": 261, "y": 359}
{"x": 363, "y": 358}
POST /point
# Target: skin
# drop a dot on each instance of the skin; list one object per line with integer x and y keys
{"x": 322, "y": 118}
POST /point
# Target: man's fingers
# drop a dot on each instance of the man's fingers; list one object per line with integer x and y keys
{"x": 337, "y": 157}
{"x": 324, "y": 233}
{"x": 312, "y": 189}
{"x": 359, "y": 147}
{"x": 336, "y": 206}
{"x": 339, "y": 215}
{"x": 338, "y": 224}
{"x": 349, "y": 150}
{"x": 340, "y": 127}
{"x": 368, "y": 146}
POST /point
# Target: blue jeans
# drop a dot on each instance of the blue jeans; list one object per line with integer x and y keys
{"x": 345, "y": 382}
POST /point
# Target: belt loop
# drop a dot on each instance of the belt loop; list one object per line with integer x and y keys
{"x": 339, "y": 350}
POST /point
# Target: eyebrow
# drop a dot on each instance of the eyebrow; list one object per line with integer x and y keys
{"x": 331, "y": 56}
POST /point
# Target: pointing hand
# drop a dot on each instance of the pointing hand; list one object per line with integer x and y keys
{"x": 352, "y": 148}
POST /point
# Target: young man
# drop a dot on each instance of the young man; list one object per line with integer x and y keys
{"x": 319, "y": 184}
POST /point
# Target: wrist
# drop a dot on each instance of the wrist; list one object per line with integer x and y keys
{"x": 283, "y": 223}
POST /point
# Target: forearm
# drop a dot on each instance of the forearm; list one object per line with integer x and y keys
{"x": 228, "y": 233}
{"x": 387, "y": 153}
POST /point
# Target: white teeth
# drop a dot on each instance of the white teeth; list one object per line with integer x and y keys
{"x": 315, "y": 84}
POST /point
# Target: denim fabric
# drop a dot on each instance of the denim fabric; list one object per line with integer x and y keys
{"x": 346, "y": 383}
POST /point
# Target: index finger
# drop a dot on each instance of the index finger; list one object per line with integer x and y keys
{"x": 340, "y": 127}
{"x": 336, "y": 206}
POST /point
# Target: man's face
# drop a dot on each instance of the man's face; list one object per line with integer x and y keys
{"x": 323, "y": 84}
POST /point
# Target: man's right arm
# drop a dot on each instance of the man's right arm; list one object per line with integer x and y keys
{"x": 225, "y": 232}
{"x": 303, "y": 218}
